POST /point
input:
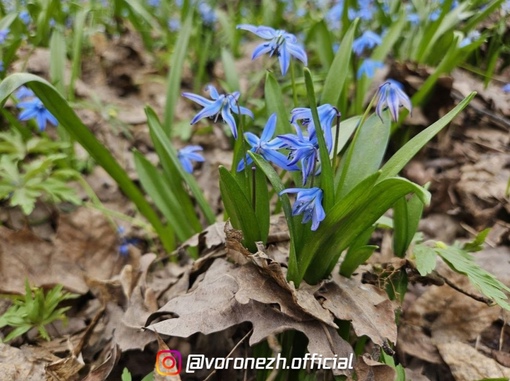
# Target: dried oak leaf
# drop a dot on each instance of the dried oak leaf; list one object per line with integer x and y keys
{"x": 85, "y": 243}
{"x": 228, "y": 295}
{"x": 129, "y": 302}
{"x": 16, "y": 365}
{"x": 371, "y": 313}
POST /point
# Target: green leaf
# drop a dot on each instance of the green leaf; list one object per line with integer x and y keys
{"x": 326, "y": 168}
{"x": 359, "y": 210}
{"x": 126, "y": 376}
{"x": 163, "y": 196}
{"x": 340, "y": 210}
{"x": 58, "y": 106}
{"x": 78, "y": 31}
{"x": 425, "y": 259}
{"x": 168, "y": 157}
{"x": 229, "y": 67}
{"x": 339, "y": 69}
{"x": 175, "y": 74}
{"x": 58, "y": 59}
{"x": 239, "y": 209}
{"x": 395, "y": 164}
{"x": 463, "y": 262}
{"x": 391, "y": 36}
{"x": 477, "y": 243}
{"x": 358, "y": 253}
{"x": 275, "y": 103}
{"x": 368, "y": 150}
{"x": 261, "y": 202}
{"x": 347, "y": 127}
{"x": 406, "y": 217}
{"x": 320, "y": 36}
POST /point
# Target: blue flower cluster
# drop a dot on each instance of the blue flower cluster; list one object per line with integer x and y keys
{"x": 297, "y": 151}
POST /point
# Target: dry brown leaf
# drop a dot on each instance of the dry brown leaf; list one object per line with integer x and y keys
{"x": 467, "y": 364}
{"x": 64, "y": 369}
{"x": 14, "y": 365}
{"x": 371, "y": 313}
{"x": 219, "y": 302}
{"x": 102, "y": 371}
{"x": 129, "y": 302}
{"x": 85, "y": 243}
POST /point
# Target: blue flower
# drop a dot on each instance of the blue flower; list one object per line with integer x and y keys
{"x": 34, "y": 108}
{"x": 174, "y": 24}
{"x": 207, "y": 13}
{"x": 506, "y": 88}
{"x": 125, "y": 241}
{"x": 368, "y": 68}
{"x": 2, "y": 68}
{"x": 187, "y": 154}
{"x": 308, "y": 203}
{"x": 334, "y": 15}
{"x": 365, "y": 12}
{"x": 368, "y": 40}
{"x": 327, "y": 113}
{"x": 3, "y": 35}
{"x": 434, "y": 15}
{"x": 282, "y": 44}
{"x": 303, "y": 149}
{"x": 25, "y": 17}
{"x": 223, "y": 105}
{"x": 24, "y": 92}
{"x": 266, "y": 147}
{"x": 470, "y": 38}
{"x": 391, "y": 95}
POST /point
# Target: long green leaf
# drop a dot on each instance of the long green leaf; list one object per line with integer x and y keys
{"x": 339, "y": 69}
{"x": 171, "y": 155}
{"x": 364, "y": 161}
{"x": 395, "y": 164}
{"x": 327, "y": 181}
{"x": 175, "y": 74}
{"x": 58, "y": 59}
{"x": 58, "y": 106}
{"x": 310, "y": 248}
{"x": 340, "y": 230}
{"x": 261, "y": 202}
{"x": 275, "y": 103}
{"x": 406, "y": 217}
{"x": 239, "y": 209}
{"x": 156, "y": 187}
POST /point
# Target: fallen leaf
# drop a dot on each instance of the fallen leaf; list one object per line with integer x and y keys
{"x": 102, "y": 371}
{"x": 85, "y": 243}
{"x": 467, "y": 364}
{"x": 371, "y": 313}
{"x": 14, "y": 365}
{"x": 219, "y": 302}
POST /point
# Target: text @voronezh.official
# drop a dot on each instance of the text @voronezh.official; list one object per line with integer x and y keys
{"x": 169, "y": 362}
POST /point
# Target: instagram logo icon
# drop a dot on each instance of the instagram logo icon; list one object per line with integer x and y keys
{"x": 169, "y": 362}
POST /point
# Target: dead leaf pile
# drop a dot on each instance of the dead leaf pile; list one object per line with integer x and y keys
{"x": 228, "y": 294}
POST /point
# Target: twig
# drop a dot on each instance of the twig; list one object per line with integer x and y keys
{"x": 230, "y": 353}
{"x": 478, "y": 298}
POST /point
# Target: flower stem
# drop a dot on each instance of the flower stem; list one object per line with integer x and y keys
{"x": 253, "y": 187}
{"x": 293, "y": 79}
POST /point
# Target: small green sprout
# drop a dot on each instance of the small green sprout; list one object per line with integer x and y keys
{"x": 35, "y": 310}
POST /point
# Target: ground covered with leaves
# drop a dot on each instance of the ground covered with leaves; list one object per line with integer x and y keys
{"x": 132, "y": 299}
